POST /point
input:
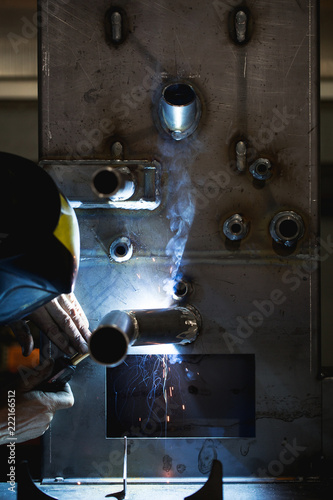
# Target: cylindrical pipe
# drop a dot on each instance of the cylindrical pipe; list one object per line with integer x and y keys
{"x": 118, "y": 330}
{"x": 117, "y": 184}
{"x": 179, "y": 110}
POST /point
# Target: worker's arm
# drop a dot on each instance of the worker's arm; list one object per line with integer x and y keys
{"x": 62, "y": 320}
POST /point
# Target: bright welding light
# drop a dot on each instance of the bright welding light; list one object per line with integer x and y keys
{"x": 154, "y": 349}
{"x": 178, "y": 119}
{"x": 169, "y": 287}
{"x": 151, "y": 299}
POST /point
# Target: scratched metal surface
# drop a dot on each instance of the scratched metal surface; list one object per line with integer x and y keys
{"x": 265, "y": 92}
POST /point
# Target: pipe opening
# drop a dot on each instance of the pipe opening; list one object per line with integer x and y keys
{"x": 106, "y": 182}
{"x": 288, "y": 229}
{"x": 179, "y": 94}
{"x": 108, "y": 345}
{"x": 236, "y": 228}
{"x": 117, "y": 184}
{"x": 121, "y": 249}
{"x": 181, "y": 289}
{"x": 262, "y": 168}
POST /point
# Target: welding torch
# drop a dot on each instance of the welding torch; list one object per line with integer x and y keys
{"x": 63, "y": 370}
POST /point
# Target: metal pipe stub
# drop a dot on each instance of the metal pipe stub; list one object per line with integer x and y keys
{"x": 108, "y": 344}
{"x": 179, "y": 110}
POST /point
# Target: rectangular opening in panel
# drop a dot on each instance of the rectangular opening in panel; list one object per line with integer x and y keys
{"x": 181, "y": 396}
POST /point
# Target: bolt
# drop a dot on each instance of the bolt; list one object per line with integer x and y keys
{"x": 241, "y": 25}
{"x": 117, "y": 150}
{"x": 241, "y": 156}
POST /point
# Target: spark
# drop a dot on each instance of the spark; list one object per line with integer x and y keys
{"x": 183, "y": 407}
{"x": 138, "y": 275}
{"x": 168, "y": 418}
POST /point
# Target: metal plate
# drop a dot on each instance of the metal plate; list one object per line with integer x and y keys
{"x": 255, "y": 297}
{"x": 182, "y": 396}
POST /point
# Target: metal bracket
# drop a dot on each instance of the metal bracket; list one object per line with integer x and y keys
{"x": 74, "y": 179}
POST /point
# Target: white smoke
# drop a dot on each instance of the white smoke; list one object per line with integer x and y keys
{"x": 181, "y": 203}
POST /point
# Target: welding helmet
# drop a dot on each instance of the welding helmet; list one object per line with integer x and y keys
{"x": 39, "y": 239}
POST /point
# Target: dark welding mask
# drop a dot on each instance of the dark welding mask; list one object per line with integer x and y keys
{"x": 39, "y": 239}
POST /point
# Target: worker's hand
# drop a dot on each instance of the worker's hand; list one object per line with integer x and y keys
{"x": 34, "y": 409}
{"x": 62, "y": 320}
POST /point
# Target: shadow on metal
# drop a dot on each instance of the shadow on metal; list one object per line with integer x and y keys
{"x": 120, "y": 495}
{"x": 212, "y": 490}
{"x": 26, "y": 488}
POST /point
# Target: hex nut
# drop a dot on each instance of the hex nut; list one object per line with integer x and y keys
{"x": 261, "y": 169}
{"x": 235, "y": 228}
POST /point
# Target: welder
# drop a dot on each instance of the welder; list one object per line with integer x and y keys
{"x": 39, "y": 260}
